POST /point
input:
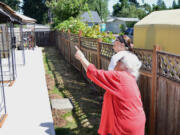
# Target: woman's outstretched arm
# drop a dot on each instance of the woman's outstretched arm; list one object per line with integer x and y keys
{"x": 104, "y": 79}
{"x": 80, "y": 56}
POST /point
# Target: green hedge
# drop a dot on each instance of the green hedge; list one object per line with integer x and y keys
{"x": 75, "y": 25}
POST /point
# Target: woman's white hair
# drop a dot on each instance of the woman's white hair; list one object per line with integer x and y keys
{"x": 131, "y": 62}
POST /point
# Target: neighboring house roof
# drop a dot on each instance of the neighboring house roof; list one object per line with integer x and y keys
{"x": 165, "y": 17}
{"x": 26, "y": 19}
{"x": 40, "y": 27}
{"x": 111, "y": 19}
{"x": 93, "y": 17}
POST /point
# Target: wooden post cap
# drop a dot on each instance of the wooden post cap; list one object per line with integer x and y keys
{"x": 80, "y": 33}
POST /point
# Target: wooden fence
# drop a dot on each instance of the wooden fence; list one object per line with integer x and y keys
{"x": 45, "y": 38}
{"x": 159, "y": 82}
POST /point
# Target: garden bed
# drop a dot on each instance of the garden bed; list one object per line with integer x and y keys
{"x": 68, "y": 83}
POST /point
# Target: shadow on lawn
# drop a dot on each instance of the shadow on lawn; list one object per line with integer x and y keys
{"x": 87, "y": 108}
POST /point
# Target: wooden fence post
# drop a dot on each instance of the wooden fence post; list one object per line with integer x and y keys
{"x": 153, "y": 91}
{"x": 69, "y": 49}
{"x": 80, "y": 34}
{"x": 60, "y": 42}
{"x": 99, "y": 54}
{"x": 56, "y": 38}
{"x": 63, "y": 45}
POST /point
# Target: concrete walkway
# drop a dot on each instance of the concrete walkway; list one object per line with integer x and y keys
{"x": 28, "y": 106}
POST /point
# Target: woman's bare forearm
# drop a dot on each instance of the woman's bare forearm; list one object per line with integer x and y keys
{"x": 80, "y": 56}
{"x": 85, "y": 63}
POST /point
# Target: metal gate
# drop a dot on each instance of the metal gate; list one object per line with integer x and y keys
{"x": 7, "y": 49}
{"x": 3, "y": 112}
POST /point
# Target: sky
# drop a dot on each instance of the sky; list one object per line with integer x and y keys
{"x": 112, "y": 2}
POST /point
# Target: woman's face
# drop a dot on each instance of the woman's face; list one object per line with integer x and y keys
{"x": 118, "y": 46}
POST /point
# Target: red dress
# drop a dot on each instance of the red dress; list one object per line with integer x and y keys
{"x": 122, "y": 111}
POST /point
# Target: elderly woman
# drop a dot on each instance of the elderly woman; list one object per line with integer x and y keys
{"x": 121, "y": 46}
{"x": 122, "y": 112}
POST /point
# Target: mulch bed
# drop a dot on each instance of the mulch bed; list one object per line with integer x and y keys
{"x": 57, "y": 118}
{"x": 55, "y": 96}
{"x": 50, "y": 82}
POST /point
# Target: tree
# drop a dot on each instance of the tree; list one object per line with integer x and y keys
{"x": 163, "y": 6}
{"x": 147, "y": 8}
{"x": 36, "y": 9}
{"x": 116, "y": 9}
{"x": 134, "y": 2}
{"x": 178, "y": 3}
{"x": 51, "y": 5}
{"x": 159, "y": 2}
{"x": 160, "y": 5}
{"x": 14, "y": 4}
{"x": 174, "y": 5}
{"x": 141, "y": 13}
{"x": 155, "y": 7}
{"x": 69, "y": 8}
{"x": 101, "y": 6}
{"x": 124, "y": 3}
{"x": 123, "y": 9}
{"x": 120, "y": 9}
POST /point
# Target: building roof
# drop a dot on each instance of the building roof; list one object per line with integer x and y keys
{"x": 4, "y": 16}
{"x": 93, "y": 17}
{"x": 8, "y": 14}
{"x": 40, "y": 27}
{"x": 111, "y": 19}
{"x": 26, "y": 19}
{"x": 6, "y": 7}
{"x": 165, "y": 17}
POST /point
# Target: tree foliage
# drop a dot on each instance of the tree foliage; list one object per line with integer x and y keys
{"x": 101, "y": 6}
{"x": 124, "y": 9}
{"x": 159, "y": 6}
{"x": 131, "y": 8}
{"x": 178, "y": 4}
{"x": 64, "y": 9}
{"x": 14, "y": 4}
{"x": 36, "y": 9}
{"x": 147, "y": 8}
{"x": 75, "y": 25}
{"x": 159, "y": 2}
{"x": 174, "y": 5}
{"x": 134, "y": 2}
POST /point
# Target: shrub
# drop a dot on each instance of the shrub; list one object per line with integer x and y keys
{"x": 75, "y": 25}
